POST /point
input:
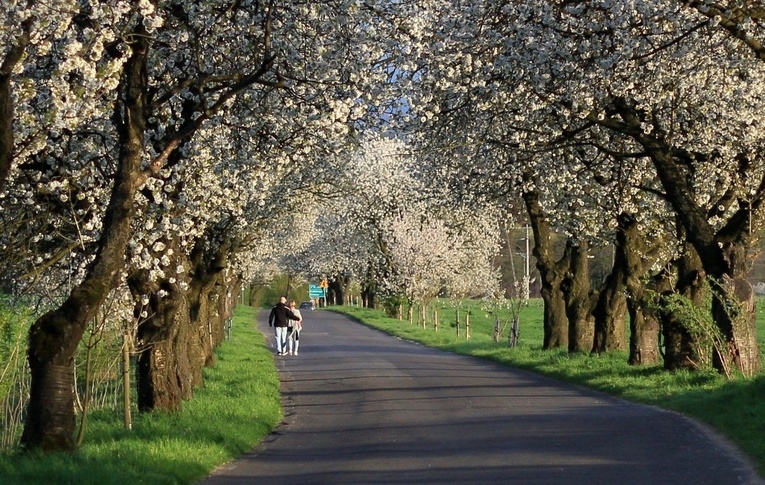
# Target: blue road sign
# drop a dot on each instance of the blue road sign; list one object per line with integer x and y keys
{"x": 315, "y": 291}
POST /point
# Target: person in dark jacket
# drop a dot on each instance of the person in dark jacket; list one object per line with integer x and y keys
{"x": 280, "y": 314}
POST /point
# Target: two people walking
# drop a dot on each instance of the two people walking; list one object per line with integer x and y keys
{"x": 287, "y": 322}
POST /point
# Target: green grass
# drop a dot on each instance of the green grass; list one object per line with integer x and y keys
{"x": 736, "y": 408}
{"x": 238, "y": 406}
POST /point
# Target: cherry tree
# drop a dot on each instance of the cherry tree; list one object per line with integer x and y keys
{"x": 702, "y": 142}
{"x": 531, "y": 76}
{"x": 382, "y": 229}
{"x": 128, "y": 86}
{"x": 374, "y": 183}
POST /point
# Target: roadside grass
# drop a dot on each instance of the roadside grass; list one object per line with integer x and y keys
{"x": 735, "y": 408}
{"x": 237, "y": 407}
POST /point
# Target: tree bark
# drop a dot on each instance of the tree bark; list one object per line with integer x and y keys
{"x": 207, "y": 291}
{"x": 737, "y": 318}
{"x": 679, "y": 350}
{"x": 163, "y": 372}
{"x": 579, "y": 299}
{"x": 54, "y": 337}
{"x": 640, "y": 254}
{"x": 611, "y": 308}
{"x": 645, "y": 326}
{"x": 183, "y": 328}
{"x": 644, "y": 335}
{"x": 369, "y": 289}
{"x": 555, "y": 325}
{"x": 337, "y": 287}
{"x": 609, "y": 316}
{"x": 368, "y": 297}
{"x": 551, "y": 273}
{"x": 252, "y": 293}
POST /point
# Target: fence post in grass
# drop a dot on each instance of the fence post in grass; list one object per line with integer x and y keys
{"x": 496, "y": 329}
{"x": 435, "y": 319}
{"x": 513, "y": 337}
{"x": 128, "y": 420}
{"x": 467, "y": 326}
{"x": 457, "y": 321}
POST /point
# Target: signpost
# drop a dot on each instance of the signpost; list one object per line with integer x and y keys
{"x": 315, "y": 291}
{"x": 318, "y": 291}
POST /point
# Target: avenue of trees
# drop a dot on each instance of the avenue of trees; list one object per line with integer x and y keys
{"x": 159, "y": 156}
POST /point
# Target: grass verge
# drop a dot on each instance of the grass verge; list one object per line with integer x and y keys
{"x": 237, "y": 407}
{"x": 736, "y": 408}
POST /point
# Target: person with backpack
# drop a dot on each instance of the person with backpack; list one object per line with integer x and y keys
{"x": 279, "y": 319}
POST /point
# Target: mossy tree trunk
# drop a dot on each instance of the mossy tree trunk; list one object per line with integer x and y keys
{"x": 679, "y": 352}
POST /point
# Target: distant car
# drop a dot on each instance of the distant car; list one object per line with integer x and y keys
{"x": 307, "y": 305}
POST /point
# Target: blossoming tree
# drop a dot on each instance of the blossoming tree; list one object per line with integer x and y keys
{"x": 113, "y": 97}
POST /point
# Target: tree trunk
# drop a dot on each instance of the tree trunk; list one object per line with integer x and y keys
{"x": 551, "y": 273}
{"x": 368, "y": 297}
{"x": 252, "y": 293}
{"x": 645, "y": 326}
{"x": 201, "y": 313}
{"x": 611, "y": 308}
{"x": 644, "y": 335}
{"x": 127, "y": 418}
{"x": 183, "y": 329}
{"x": 163, "y": 372}
{"x": 579, "y": 300}
{"x": 640, "y": 255}
{"x": 222, "y": 295}
{"x": 723, "y": 251}
{"x": 733, "y": 308}
{"x": 369, "y": 289}
{"x": 338, "y": 287}
{"x": 54, "y": 337}
{"x": 679, "y": 350}
{"x": 555, "y": 319}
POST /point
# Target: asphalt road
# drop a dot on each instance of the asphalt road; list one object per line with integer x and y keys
{"x": 362, "y": 407}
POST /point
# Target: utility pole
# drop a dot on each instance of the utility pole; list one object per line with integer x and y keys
{"x": 527, "y": 272}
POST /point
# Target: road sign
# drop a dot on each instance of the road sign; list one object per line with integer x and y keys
{"x": 315, "y": 291}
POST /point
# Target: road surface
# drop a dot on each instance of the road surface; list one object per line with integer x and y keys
{"x": 362, "y": 407}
